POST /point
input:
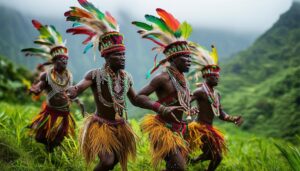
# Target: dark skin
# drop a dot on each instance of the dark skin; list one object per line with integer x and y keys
{"x": 116, "y": 61}
{"x": 59, "y": 99}
{"x": 59, "y": 66}
{"x": 206, "y": 115}
{"x": 162, "y": 86}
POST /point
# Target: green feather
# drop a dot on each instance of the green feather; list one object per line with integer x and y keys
{"x": 42, "y": 42}
{"x": 90, "y": 7}
{"x": 143, "y": 25}
{"x": 72, "y": 18}
{"x": 58, "y": 35}
{"x": 46, "y": 35}
{"x": 159, "y": 22}
{"x": 178, "y": 33}
{"x": 34, "y": 50}
{"x": 186, "y": 29}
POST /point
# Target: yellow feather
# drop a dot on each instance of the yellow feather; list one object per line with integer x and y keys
{"x": 214, "y": 54}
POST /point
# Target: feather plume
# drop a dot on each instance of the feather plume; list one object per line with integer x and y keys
{"x": 186, "y": 30}
{"x": 214, "y": 54}
{"x": 142, "y": 25}
{"x": 169, "y": 19}
{"x": 111, "y": 20}
{"x": 87, "y": 47}
{"x": 158, "y": 22}
{"x": 36, "y": 24}
{"x": 90, "y": 7}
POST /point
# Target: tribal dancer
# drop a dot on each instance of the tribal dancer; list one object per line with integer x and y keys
{"x": 105, "y": 134}
{"x": 166, "y": 129}
{"x": 202, "y": 133}
{"x": 54, "y": 122}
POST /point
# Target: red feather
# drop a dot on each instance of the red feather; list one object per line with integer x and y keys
{"x": 169, "y": 19}
{"x": 81, "y": 30}
{"x": 110, "y": 18}
{"x": 36, "y": 24}
{"x": 160, "y": 44}
{"x": 78, "y": 12}
{"x": 88, "y": 39}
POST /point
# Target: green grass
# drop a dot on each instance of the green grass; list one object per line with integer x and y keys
{"x": 20, "y": 152}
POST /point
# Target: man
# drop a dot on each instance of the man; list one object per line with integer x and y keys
{"x": 105, "y": 134}
{"x": 166, "y": 129}
{"x": 54, "y": 122}
{"x": 202, "y": 133}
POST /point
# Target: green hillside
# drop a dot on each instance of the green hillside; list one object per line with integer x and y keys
{"x": 262, "y": 82}
{"x": 17, "y": 33}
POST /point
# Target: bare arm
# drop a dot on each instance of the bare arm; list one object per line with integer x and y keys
{"x": 40, "y": 85}
{"x": 74, "y": 91}
{"x": 142, "y": 100}
{"x": 238, "y": 120}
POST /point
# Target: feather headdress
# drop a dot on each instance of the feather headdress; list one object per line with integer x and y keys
{"x": 50, "y": 43}
{"x": 101, "y": 28}
{"x": 167, "y": 32}
{"x": 204, "y": 62}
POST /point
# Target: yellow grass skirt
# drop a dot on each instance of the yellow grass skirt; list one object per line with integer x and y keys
{"x": 162, "y": 139}
{"x": 200, "y": 133}
{"x": 100, "y": 136}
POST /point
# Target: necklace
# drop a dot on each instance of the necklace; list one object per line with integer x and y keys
{"x": 57, "y": 83}
{"x": 213, "y": 98}
{"x": 181, "y": 87}
{"x": 60, "y": 79}
{"x": 118, "y": 85}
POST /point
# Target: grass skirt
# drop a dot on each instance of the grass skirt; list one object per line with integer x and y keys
{"x": 163, "y": 140}
{"x": 200, "y": 133}
{"x": 100, "y": 136}
{"x": 51, "y": 126}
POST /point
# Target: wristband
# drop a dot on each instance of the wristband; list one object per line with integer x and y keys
{"x": 156, "y": 106}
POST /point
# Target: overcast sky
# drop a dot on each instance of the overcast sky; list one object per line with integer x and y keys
{"x": 236, "y": 15}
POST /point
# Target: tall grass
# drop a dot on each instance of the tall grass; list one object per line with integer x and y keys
{"x": 18, "y": 151}
{"x": 291, "y": 154}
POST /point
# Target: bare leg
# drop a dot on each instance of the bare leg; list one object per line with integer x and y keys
{"x": 107, "y": 162}
{"x": 175, "y": 161}
{"x": 206, "y": 155}
{"x": 214, "y": 163}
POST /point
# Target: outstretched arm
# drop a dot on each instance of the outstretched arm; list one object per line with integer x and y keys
{"x": 74, "y": 91}
{"x": 238, "y": 120}
{"x": 142, "y": 99}
{"x": 40, "y": 85}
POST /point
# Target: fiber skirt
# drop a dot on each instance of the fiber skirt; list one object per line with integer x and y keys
{"x": 164, "y": 139}
{"x": 99, "y": 136}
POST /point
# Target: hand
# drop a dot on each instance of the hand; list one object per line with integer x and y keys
{"x": 238, "y": 120}
{"x": 168, "y": 111}
{"x": 72, "y": 92}
{"x": 35, "y": 90}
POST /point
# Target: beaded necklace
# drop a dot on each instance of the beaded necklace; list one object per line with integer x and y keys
{"x": 181, "y": 87}
{"x": 213, "y": 99}
{"x": 58, "y": 82}
{"x": 60, "y": 79}
{"x": 117, "y": 86}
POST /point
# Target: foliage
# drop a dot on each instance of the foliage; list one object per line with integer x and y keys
{"x": 262, "y": 82}
{"x": 12, "y": 78}
{"x": 20, "y": 152}
{"x": 291, "y": 154}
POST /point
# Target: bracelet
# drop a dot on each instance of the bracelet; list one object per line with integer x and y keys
{"x": 156, "y": 106}
{"x": 164, "y": 111}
